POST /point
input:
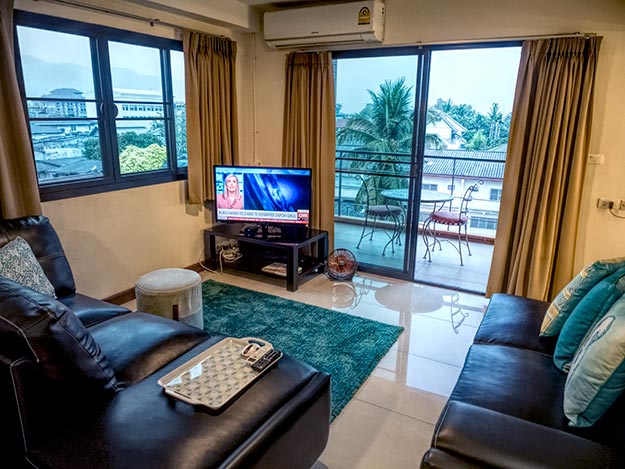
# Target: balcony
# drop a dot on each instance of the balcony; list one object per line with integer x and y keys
{"x": 444, "y": 171}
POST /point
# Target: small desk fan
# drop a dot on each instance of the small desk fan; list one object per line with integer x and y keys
{"x": 341, "y": 264}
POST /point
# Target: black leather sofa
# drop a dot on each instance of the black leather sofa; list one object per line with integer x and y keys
{"x": 78, "y": 385}
{"x": 506, "y": 410}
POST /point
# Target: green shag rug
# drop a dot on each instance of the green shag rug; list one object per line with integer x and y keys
{"x": 346, "y": 347}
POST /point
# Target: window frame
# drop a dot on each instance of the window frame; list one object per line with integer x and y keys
{"x": 99, "y": 37}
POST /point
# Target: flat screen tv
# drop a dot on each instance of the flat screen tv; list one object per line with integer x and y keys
{"x": 263, "y": 195}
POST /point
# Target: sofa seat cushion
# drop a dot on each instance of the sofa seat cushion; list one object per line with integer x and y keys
{"x": 527, "y": 385}
{"x": 488, "y": 438}
{"x": 138, "y": 344}
{"x": 515, "y": 321}
{"x": 145, "y": 428}
{"x": 91, "y": 311}
{"x": 502, "y": 378}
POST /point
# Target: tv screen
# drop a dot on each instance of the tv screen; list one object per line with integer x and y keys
{"x": 259, "y": 194}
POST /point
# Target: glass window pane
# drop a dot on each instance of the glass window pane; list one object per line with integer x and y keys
{"x": 135, "y": 72}
{"x": 142, "y": 145}
{"x": 61, "y": 108}
{"x": 177, "y": 73}
{"x": 55, "y": 63}
{"x": 66, "y": 150}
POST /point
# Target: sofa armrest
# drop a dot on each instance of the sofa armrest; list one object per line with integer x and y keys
{"x": 490, "y": 438}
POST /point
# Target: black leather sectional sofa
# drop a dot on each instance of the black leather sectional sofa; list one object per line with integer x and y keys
{"x": 506, "y": 410}
{"x": 78, "y": 385}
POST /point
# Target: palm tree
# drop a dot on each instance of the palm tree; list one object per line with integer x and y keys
{"x": 385, "y": 124}
{"x": 495, "y": 120}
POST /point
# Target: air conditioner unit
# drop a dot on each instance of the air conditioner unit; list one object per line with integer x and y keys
{"x": 344, "y": 23}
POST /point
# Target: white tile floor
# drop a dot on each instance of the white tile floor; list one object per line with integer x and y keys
{"x": 443, "y": 269}
{"x": 389, "y": 422}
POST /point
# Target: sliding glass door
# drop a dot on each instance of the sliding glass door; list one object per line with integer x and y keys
{"x": 376, "y": 99}
{"x": 416, "y": 127}
{"x": 469, "y": 95}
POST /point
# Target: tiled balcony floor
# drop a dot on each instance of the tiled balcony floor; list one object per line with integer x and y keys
{"x": 444, "y": 269}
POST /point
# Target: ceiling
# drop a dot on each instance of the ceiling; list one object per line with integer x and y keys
{"x": 264, "y": 5}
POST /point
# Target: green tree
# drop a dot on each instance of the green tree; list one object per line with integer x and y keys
{"x": 158, "y": 129}
{"x": 494, "y": 126}
{"x": 91, "y": 149}
{"x": 142, "y": 140}
{"x": 91, "y": 146}
{"x": 478, "y": 142}
{"x": 134, "y": 159}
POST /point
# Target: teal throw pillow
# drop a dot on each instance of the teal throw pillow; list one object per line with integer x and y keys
{"x": 18, "y": 263}
{"x": 585, "y": 315}
{"x": 597, "y": 375}
{"x": 566, "y": 301}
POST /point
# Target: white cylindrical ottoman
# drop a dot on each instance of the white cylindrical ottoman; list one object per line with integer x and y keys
{"x": 171, "y": 293}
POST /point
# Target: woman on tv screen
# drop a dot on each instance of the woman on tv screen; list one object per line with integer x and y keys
{"x": 231, "y": 196}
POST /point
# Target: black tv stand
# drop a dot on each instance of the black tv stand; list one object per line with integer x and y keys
{"x": 269, "y": 245}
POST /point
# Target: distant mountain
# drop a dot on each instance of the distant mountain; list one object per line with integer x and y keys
{"x": 43, "y": 77}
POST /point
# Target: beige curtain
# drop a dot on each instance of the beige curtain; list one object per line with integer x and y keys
{"x": 309, "y": 129}
{"x": 19, "y": 193}
{"x": 549, "y": 136}
{"x": 212, "y": 136}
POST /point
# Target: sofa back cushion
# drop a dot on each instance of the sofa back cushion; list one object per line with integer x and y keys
{"x": 585, "y": 315}
{"x": 45, "y": 244}
{"x": 39, "y": 328}
{"x": 597, "y": 375}
{"x": 18, "y": 263}
{"x": 570, "y": 296}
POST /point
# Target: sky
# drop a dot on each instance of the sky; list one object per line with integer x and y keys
{"x": 61, "y": 48}
{"x": 479, "y": 77}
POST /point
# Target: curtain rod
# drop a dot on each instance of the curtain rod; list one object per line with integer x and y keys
{"x": 151, "y": 21}
{"x": 499, "y": 39}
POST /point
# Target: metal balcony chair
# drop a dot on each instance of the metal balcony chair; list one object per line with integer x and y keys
{"x": 459, "y": 218}
{"x": 375, "y": 211}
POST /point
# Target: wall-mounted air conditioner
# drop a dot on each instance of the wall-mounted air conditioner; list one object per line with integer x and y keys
{"x": 344, "y": 23}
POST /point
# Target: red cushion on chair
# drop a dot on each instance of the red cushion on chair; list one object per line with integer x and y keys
{"x": 448, "y": 218}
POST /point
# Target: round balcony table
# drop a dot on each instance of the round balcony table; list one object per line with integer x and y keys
{"x": 427, "y": 197}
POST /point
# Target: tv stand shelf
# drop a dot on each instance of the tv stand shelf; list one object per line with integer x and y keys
{"x": 267, "y": 247}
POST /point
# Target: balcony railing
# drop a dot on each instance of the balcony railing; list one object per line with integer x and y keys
{"x": 448, "y": 171}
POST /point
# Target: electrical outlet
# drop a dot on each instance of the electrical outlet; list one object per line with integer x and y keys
{"x": 604, "y": 203}
{"x": 595, "y": 158}
{"x": 621, "y": 205}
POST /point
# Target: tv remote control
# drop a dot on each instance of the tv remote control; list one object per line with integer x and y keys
{"x": 266, "y": 360}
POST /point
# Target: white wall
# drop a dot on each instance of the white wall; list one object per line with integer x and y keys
{"x": 410, "y": 22}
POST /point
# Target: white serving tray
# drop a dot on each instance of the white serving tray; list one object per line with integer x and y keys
{"x": 219, "y": 374}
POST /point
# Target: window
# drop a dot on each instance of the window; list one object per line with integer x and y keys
{"x": 429, "y": 187}
{"x": 495, "y": 195}
{"x": 105, "y": 107}
{"x": 451, "y": 187}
